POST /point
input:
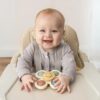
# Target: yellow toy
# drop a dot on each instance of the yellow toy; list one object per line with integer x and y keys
{"x": 45, "y": 78}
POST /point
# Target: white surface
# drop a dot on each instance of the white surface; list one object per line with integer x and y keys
{"x": 86, "y": 87}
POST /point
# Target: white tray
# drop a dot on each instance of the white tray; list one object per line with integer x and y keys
{"x": 86, "y": 87}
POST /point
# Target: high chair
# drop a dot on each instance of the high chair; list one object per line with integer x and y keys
{"x": 85, "y": 87}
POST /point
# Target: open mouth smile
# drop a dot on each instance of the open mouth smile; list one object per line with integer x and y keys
{"x": 48, "y": 41}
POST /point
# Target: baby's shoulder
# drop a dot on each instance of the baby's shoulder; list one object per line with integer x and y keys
{"x": 65, "y": 48}
{"x": 32, "y": 46}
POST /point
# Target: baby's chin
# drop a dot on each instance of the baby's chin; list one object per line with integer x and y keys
{"x": 48, "y": 49}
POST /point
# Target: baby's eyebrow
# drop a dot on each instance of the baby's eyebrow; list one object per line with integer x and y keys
{"x": 41, "y": 27}
{"x": 38, "y": 28}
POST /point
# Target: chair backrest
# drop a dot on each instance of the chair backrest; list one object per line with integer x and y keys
{"x": 70, "y": 36}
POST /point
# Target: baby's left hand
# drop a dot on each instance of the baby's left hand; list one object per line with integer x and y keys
{"x": 62, "y": 83}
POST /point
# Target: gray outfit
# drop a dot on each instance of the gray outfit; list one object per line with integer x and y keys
{"x": 34, "y": 58}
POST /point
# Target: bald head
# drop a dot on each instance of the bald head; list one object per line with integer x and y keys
{"x": 54, "y": 13}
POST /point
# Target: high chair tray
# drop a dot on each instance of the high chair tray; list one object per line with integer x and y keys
{"x": 86, "y": 87}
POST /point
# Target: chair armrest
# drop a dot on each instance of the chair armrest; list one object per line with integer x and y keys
{"x": 15, "y": 58}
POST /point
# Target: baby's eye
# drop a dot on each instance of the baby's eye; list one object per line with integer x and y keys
{"x": 42, "y": 30}
{"x": 54, "y": 31}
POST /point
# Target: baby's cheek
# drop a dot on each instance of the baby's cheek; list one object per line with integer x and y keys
{"x": 58, "y": 40}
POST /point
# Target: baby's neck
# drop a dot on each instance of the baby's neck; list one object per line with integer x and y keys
{"x": 48, "y": 50}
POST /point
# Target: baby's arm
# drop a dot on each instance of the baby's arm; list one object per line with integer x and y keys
{"x": 68, "y": 63}
{"x": 24, "y": 67}
{"x": 68, "y": 71}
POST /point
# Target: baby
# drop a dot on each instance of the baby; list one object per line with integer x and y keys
{"x": 48, "y": 52}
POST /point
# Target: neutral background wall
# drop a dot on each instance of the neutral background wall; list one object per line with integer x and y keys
{"x": 95, "y": 34}
{"x": 16, "y": 16}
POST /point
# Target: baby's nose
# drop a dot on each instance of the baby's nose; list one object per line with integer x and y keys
{"x": 48, "y": 34}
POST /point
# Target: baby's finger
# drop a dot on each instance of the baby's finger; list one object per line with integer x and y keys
{"x": 68, "y": 89}
{"x": 55, "y": 79}
{"x": 26, "y": 88}
{"x": 57, "y": 84}
{"x": 31, "y": 81}
{"x": 34, "y": 79}
{"x": 22, "y": 87}
{"x": 30, "y": 86}
{"x": 63, "y": 89}
{"x": 59, "y": 88}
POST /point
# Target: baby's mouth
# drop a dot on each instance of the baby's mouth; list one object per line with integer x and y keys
{"x": 48, "y": 41}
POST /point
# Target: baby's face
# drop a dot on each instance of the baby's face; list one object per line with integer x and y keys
{"x": 48, "y": 32}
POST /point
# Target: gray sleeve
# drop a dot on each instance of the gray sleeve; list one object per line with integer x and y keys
{"x": 24, "y": 64}
{"x": 68, "y": 62}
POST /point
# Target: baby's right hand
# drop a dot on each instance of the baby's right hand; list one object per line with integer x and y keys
{"x": 28, "y": 81}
